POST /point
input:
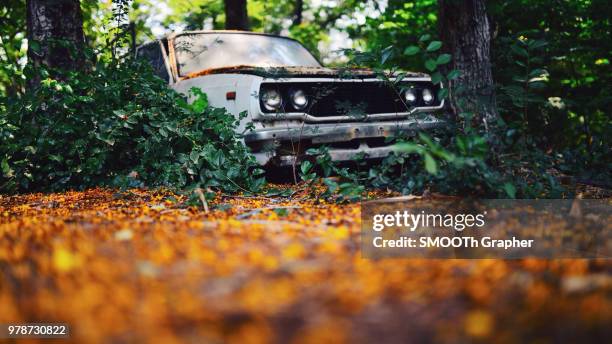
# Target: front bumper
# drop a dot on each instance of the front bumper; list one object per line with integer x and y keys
{"x": 345, "y": 141}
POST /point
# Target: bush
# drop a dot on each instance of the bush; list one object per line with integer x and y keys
{"x": 503, "y": 161}
{"x": 119, "y": 125}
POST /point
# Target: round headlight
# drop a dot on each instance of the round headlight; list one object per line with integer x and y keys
{"x": 271, "y": 99}
{"x": 428, "y": 97}
{"x": 410, "y": 96}
{"x": 299, "y": 99}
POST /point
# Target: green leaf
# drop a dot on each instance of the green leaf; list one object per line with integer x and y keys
{"x": 34, "y": 45}
{"x": 407, "y": 147}
{"x": 331, "y": 184}
{"x": 55, "y": 157}
{"x": 536, "y": 85}
{"x": 520, "y": 51}
{"x": 536, "y": 44}
{"x": 538, "y": 72}
{"x": 443, "y": 59}
{"x": 510, "y": 190}
{"x": 434, "y": 45}
{"x": 201, "y": 101}
{"x": 194, "y": 156}
{"x": 431, "y": 65}
{"x": 305, "y": 166}
{"x": 386, "y": 54}
{"x": 281, "y": 212}
{"x": 453, "y": 74}
{"x": 430, "y": 164}
{"x": 442, "y": 93}
{"x": 6, "y": 169}
{"x": 411, "y": 50}
{"x": 108, "y": 141}
{"x": 426, "y": 37}
{"x": 436, "y": 77}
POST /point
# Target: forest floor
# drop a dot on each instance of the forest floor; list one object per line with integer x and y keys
{"x": 141, "y": 266}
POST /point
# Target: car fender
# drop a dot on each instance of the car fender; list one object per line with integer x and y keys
{"x": 219, "y": 88}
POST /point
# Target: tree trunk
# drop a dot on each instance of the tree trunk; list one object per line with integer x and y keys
{"x": 55, "y": 36}
{"x": 297, "y": 12}
{"x": 465, "y": 32}
{"x": 236, "y": 17}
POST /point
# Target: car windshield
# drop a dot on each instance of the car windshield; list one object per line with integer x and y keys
{"x": 200, "y": 51}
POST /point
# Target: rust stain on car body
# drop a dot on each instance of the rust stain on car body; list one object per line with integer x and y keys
{"x": 298, "y": 71}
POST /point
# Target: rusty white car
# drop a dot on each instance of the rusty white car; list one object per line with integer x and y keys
{"x": 292, "y": 102}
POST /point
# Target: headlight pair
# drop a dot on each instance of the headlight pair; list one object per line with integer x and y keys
{"x": 411, "y": 96}
{"x": 272, "y": 99}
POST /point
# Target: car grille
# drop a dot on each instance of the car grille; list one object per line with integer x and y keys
{"x": 352, "y": 99}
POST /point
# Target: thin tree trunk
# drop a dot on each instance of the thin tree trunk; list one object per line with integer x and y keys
{"x": 297, "y": 12}
{"x": 236, "y": 17}
{"x": 465, "y": 32}
{"x": 55, "y": 36}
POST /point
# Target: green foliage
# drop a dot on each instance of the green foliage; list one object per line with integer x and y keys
{"x": 462, "y": 164}
{"x": 120, "y": 125}
{"x": 551, "y": 63}
{"x": 458, "y": 160}
{"x": 550, "y": 60}
{"x": 401, "y": 23}
{"x": 425, "y": 51}
{"x": 117, "y": 124}
{"x": 194, "y": 14}
{"x": 568, "y": 108}
{"x": 309, "y": 35}
{"x": 12, "y": 46}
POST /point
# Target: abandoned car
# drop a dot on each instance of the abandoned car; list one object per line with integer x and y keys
{"x": 292, "y": 102}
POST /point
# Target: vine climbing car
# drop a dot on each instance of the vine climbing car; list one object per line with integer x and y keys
{"x": 292, "y": 102}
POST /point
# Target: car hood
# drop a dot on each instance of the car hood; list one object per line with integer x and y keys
{"x": 295, "y": 72}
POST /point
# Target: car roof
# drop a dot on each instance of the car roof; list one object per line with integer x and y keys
{"x": 176, "y": 34}
{"x": 190, "y": 32}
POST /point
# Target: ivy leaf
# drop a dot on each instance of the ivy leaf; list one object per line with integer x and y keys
{"x": 442, "y": 93}
{"x": 443, "y": 59}
{"x": 305, "y": 166}
{"x": 201, "y": 102}
{"x": 510, "y": 190}
{"x": 520, "y": 51}
{"x": 107, "y": 140}
{"x": 426, "y": 37}
{"x": 431, "y": 65}
{"x": 434, "y": 45}
{"x": 436, "y": 77}
{"x": 194, "y": 155}
{"x": 411, "y": 50}
{"x": 453, "y": 74}
{"x": 536, "y": 44}
{"x": 34, "y": 45}
{"x": 331, "y": 184}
